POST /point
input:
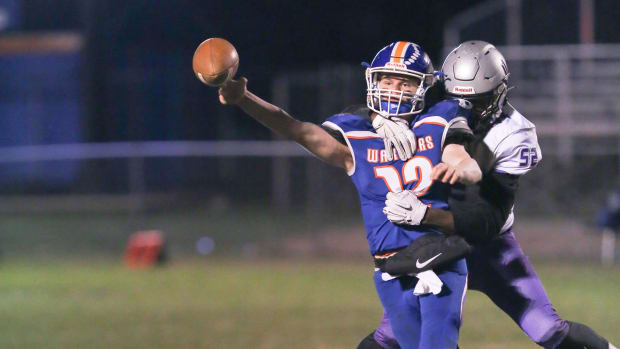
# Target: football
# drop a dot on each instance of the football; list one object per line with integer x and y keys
{"x": 215, "y": 61}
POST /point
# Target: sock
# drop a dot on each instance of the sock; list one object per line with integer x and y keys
{"x": 369, "y": 342}
{"x": 581, "y": 336}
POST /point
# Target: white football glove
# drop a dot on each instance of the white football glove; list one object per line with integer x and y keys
{"x": 404, "y": 208}
{"x": 395, "y": 133}
{"x": 428, "y": 282}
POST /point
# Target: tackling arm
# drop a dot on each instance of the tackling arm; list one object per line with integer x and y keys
{"x": 309, "y": 135}
{"x": 463, "y": 169}
{"x": 478, "y": 212}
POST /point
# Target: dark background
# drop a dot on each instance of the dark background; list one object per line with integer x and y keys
{"x": 130, "y": 79}
{"x": 137, "y": 76}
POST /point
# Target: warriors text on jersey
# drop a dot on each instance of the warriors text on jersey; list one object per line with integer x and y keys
{"x": 374, "y": 176}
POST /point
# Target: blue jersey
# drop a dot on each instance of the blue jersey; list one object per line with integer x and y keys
{"x": 374, "y": 176}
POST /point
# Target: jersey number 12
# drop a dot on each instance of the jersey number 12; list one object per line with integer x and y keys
{"x": 417, "y": 169}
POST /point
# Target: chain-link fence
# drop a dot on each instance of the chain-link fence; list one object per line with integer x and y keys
{"x": 569, "y": 92}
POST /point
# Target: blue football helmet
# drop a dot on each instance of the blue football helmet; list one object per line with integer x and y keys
{"x": 405, "y": 59}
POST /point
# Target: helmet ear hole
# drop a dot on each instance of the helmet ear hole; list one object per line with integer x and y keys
{"x": 429, "y": 80}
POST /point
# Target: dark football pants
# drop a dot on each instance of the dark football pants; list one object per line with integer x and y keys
{"x": 501, "y": 270}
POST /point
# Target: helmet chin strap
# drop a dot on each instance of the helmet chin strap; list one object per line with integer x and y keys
{"x": 494, "y": 110}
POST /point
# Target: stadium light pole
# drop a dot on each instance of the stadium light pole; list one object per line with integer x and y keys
{"x": 513, "y": 22}
{"x": 586, "y": 33}
{"x": 281, "y": 166}
{"x": 586, "y": 22}
{"x": 608, "y": 246}
{"x": 514, "y": 37}
{"x": 477, "y": 13}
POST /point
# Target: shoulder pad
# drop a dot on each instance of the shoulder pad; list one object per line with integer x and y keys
{"x": 450, "y": 109}
{"x": 357, "y": 109}
{"x": 350, "y": 122}
{"x": 514, "y": 123}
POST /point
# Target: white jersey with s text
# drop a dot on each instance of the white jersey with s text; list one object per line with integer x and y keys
{"x": 515, "y": 145}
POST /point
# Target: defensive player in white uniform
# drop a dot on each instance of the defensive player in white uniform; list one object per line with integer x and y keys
{"x": 506, "y": 147}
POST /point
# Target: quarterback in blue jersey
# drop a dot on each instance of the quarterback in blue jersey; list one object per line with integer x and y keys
{"x": 374, "y": 175}
{"x": 483, "y": 213}
{"x": 424, "y": 309}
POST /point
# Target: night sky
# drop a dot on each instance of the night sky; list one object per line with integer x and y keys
{"x": 150, "y": 44}
{"x": 292, "y": 34}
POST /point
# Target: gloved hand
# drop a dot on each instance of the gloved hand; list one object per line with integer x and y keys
{"x": 428, "y": 282}
{"x": 397, "y": 134}
{"x": 404, "y": 208}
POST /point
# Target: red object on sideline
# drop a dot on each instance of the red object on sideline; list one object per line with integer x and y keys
{"x": 144, "y": 249}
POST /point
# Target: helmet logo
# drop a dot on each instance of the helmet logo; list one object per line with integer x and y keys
{"x": 414, "y": 55}
{"x": 395, "y": 65}
{"x": 463, "y": 90}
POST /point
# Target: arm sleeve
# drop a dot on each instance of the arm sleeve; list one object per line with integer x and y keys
{"x": 475, "y": 146}
{"x": 458, "y": 136}
{"x": 481, "y": 210}
{"x": 335, "y": 133}
{"x": 457, "y": 131}
{"x": 480, "y": 152}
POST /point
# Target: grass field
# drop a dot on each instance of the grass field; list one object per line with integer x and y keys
{"x": 253, "y": 304}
